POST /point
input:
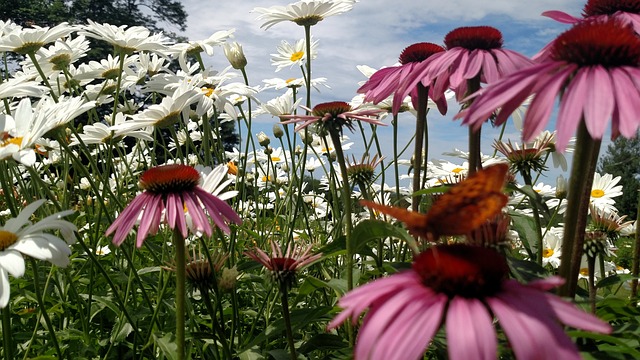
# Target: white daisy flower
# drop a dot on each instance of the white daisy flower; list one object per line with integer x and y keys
{"x": 603, "y": 190}
{"x": 290, "y": 55}
{"x": 303, "y": 13}
{"x": 126, "y": 40}
{"x": 30, "y": 40}
{"x": 19, "y": 238}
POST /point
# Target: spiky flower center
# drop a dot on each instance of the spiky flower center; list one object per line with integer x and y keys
{"x": 7, "y": 238}
{"x": 462, "y": 270}
{"x": 334, "y": 108}
{"x": 419, "y": 52}
{"x": 168, "y": 179}
{"x": 283, "y": 271}
{"x": 610, "y": 7}
{"x": 474, "y": 37}
{"x": 609, "y": 43}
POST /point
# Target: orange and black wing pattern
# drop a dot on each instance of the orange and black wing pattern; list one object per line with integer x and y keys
{"x": 460, "y": 210}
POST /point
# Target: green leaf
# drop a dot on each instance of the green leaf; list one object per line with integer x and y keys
{"x": 369, "y": 230}
{"x": 167, "y": 345}
{"x": 614, "y": 280}
{"x": 324, "y": 342}
{"x": 149, "y": 270}
{"x": 525, "y": 270}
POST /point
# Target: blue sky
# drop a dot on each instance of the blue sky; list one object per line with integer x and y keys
{"x": 374, "y": 33}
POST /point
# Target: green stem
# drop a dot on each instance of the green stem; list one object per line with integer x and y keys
{"x": 591, "y": 266}
{"x": 43, "y": 309}
{"x": 635, "y": 267}
{"x": 7, "y": 338}
{"x": 179, "y": 244}
{"x": 346, "y": 190}
{"x": 421, "y": 123}
{"x": 526, "y": 175}
{"x": 580, "y": 183}
{"x": 287, "y": 321}
{"x": 396, "y": 171}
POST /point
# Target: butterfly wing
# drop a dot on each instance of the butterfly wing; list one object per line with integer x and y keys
{"x": 415, "y": 222}
{"x": 470, "y": 203}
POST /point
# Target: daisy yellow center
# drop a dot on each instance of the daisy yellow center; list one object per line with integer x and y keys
{"x": 462, "y": 270}
{"x": 266, "y": 178}
{"x": 546, "y": 253}
{"x": 610, "y": 7}
{"x": 289, "y": 80}
{"x": 207, "y": 91}
{"x": 232, "y": 168}
{"x": 296, "y": 56}
{"x": 7, "y": 238}
{"x": 584, "y": 271}
{"x": 168, "y": 179}
{"x": 275, "y": 158}
{"x": 608, "y": 43}
{"x": 474, "y": 37}
{"x": 597, "y": 193}
{"x": 12, "y": 141}
{"x": 457, "y": 170}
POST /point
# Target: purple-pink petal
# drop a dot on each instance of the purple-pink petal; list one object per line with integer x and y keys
{"x": 571, "y": 108}
{"x": 470, "y": 332}
{"x": 560, "y": 16}
{"x": 598, "y": 108}
{"x": 626, "y": 94}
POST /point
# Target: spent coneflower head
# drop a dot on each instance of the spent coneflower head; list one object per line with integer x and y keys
{"x": 607, "y": 222}
{"x": 284, "y": 267}
{"x": 494, "y": 233}
{"x": 592, "y": 58}
{"x": 168, "y": 191}
{"x": 333, "y": 116}
{"x": 363, "y": 171}
{"x": 463, "y": 288}
{"x": 525, "y": 157}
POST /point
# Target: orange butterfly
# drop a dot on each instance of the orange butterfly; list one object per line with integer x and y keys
{"x": 462, "y": 209}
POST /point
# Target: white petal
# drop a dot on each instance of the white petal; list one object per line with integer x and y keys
{"x": 12, "y": 262}
{"x": 15, "y": 224}
{"x": 4, "y": 288}
{"x": 44, "y": 247}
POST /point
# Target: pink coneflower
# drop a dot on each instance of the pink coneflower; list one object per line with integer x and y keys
{"x": 387, "y": 81}
{"x": 471, "y": 52}
{"x": 593, "y": 67}
{"x": 628, "y": 11}
{"x": 333, "y": 116}
{"x": 462, "y": 287}
{"x": 168, "y": 191}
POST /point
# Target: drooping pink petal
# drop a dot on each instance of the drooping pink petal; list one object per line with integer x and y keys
{"x": 470, "y": 332}
{"x": 570, "y": 315}
{"x": 560, "y": 16}
{"x": 199, "y": 218}
{"x": 571, "y": 109}
{"x": 490, "y": 71}
{"x": 598, "y": 108}
{"x": 626, "y": 94}
{"x": 542, "y": 105}
{"x": 414, "y": 328}
{"x": 147, "y": 219}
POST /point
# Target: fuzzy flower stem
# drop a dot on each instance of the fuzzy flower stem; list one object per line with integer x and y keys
{"x": 475, "y": 163}
{"x": 526, "y": 175}
{"x": 635, "y": 267}
{"x": 287, "y": 320}
{"x": 179, "y": 244}
{"x": 7, "y": 338}
{"x": 580, "y": 182}
{"x": 32, "y": 57}
{"x": 394, "y": 122}
{"x": 346, "y": 190}
{"x": 45, "y": 315}
{"x": 591, "y": 266}
{"x": 307, "y": 37}
{"x": 421, "y": 124}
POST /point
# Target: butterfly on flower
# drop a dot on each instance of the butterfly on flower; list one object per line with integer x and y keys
{"x": 459, "y": 211}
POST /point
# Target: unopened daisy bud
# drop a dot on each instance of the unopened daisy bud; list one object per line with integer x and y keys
{"x": 307, "y": 138}
{"x": 284, "y": 167}
{"x": 561, "y": 187}
{"x": 235, "y": 55}
{"x": 227, "y": 281}
{"x": 263, "y": 139}
{"x": 277, "y": 131}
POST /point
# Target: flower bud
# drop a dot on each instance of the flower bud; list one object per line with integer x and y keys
{"x": 277, "y": 131}
{"x": 228, "y": 279}
{"x": 561, "y": 187}
{"x": 235, "y": 55}
{"x": 263, "y": 139}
